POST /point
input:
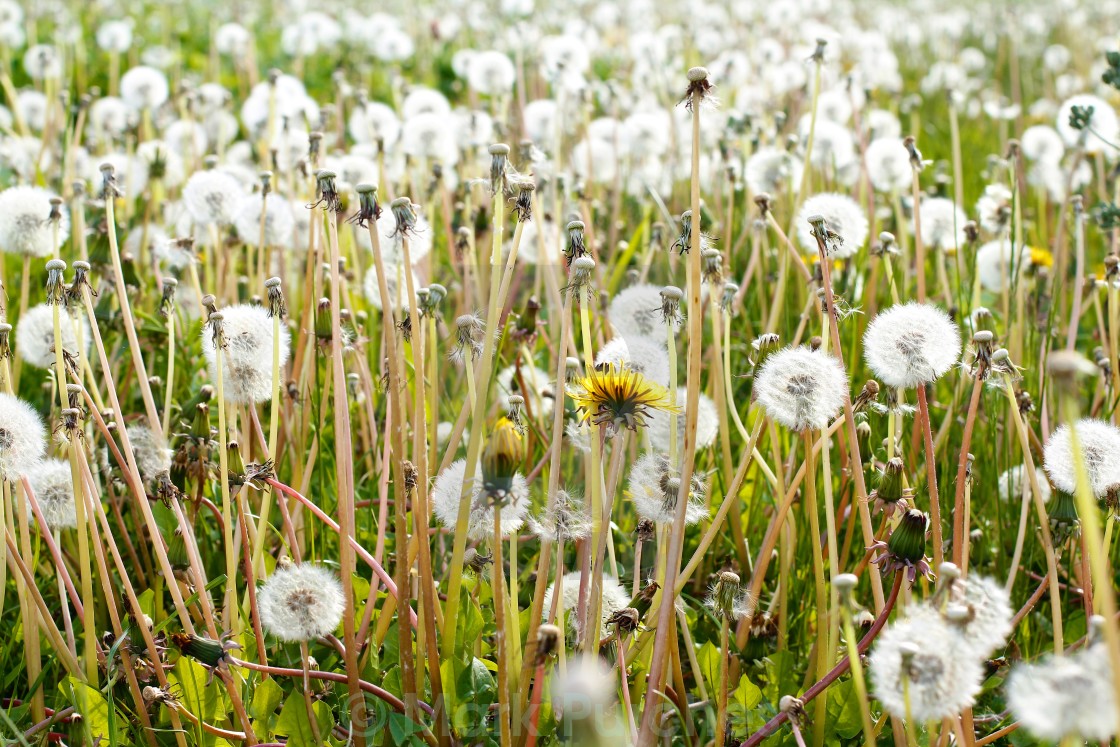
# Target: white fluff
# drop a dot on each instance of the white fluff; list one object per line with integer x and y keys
{"x": 25, "y": 226}
{"x": 801, "y": 388}
{"x": 447, "y": 492}
{"x": 35, "y": 335}
{"x": 842, "y": 215}
{"x": 22, "y": 438}
{"x": 301, "y": 602}
{"x": 910, "y": 345}
{"x": 1099, "y": 443}
{"x": 247, "y": 357}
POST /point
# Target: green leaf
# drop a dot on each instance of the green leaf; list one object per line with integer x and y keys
{"x": 844, "y": 710}
{"x": 404, "y": 731}
{"x": 475, "y": 690}
{"x": 743, "y": 707}
{"x": 266, "y": 699}
{"x": 94, "y": 710}
{"x": 296, "y": 726}
{"x": 204, "y": 701}
{"x": 708, "y": 658}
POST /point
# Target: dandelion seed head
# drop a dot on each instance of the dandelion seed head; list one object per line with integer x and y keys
{"x": 278, "y": 220}
{"x": 35, "y": 335}
{"x": 42, "y": 62}
{"x": 25, "y": 228}
{"x": 1014, "y": 484}
{"x": 1042, "y": 143}
{"x": 585, "y": 689}
{"x": 986, "y": 622}
{"x": 491, "y": 73}
{"x": 771, "y": 170}
{"x": 942, "y": 224}
{"x": 654, "y": 487}
{"x": 22, "y": 438}
{"x": 247, "y": 356}
{"x": 394, "y": 282}
{"x": 566, "y": 521}
{"x": 1103, "y": 129}
{"x": 842, "y": 216}
{"x": 447, "y": 493}
{"x": 1099, "y": 443}
{"x": 888, "y": 165}
{"x": 645, "y": 355}
{"x": 301, "y": 602}
{"x": 212, "y": 197}
{"x": 707, "y": 423}
{"x": 944, "y": 676}
{"x": 54, "y": 491}
{"x": 993, "y": 209}
{"x": 615, "y": 598}
{"x": 153, "y": 457}
{"x": 910, "y": 345}
{"x": 636, "y": 312}
{"x": 144, "y": 87}
{"x": 801, "y": 388}
{"x": 1064, "y": 696}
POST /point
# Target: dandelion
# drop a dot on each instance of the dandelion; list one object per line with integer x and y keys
{"x": 394, "y": 282}
{"x": 53, "y": 486}
{"x": 636, "y": 312}
{"x": 246, "y": 355}
{"x": 212, "y": 197}
{"x": 615, "y": 598}
{"x": 994, "y": 208}
{"x": 922, "y": 671}
{"x": 942, "y": 223}
{"x": 986, "y": 619}
{"x": 42, "y": 62}
{"x": 1099, "y": 443}
{"x": 726, "y": 599}
{"x": 1014, "y": 481}
{"x": 843, "y": 217}
{"x": 565, "y": 521}
{"x": 447, "y": 493}
{"x": 1065, "y": 697}
{"x": 644, "y": 355}
{"x": 770, "y": 170}
{"x": 301, "y": 602}
{"x": 153, "y": 457}
{"x": 905, "y": 549}
{"x": 491, "y": 73}
{"x": 801, "y": 388}
{"x": 22, "y": 438}
{"x": 35, "y": 335}
{"x": 911, "y": 345}
{"x": 993, "y": 265}
{"x": 278, "y": 220}
{"x": 619, "y": 397}
{"x": 144, "y": 87}
{"x": 707, "y": 423}
{"x": 585, "y": 689}
{"x": 1102, "y": 130}
{"x": 888, "y": 165}
{"x": 25, "y": 228}
{"x": 655, "y": 489}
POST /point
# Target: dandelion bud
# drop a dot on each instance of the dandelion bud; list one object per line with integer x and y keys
{"x": 476, "y": 562}
{"x": 55, "y": 268}
{"x": 889, "y": 494}
{"x": 502, "y": 455}
{"x": 167, "y": 301}
{"x": 844, "y": 584}
{"x": 276, "y": 306}
{"x": 324, "y": 331}
{"x": 625, "y": 621}
{"x": 109, "y": 188}
{"x": 572, "y": 369}
{"x": 763, "y": 346}
{"x": 206, "y": 651}
{"x": 763, "y": 201}
{"x": 863, "y": 433}
{"x": 645, "y": 530}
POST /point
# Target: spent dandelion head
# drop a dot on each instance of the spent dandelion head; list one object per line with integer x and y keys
{"x": 619, "y": 398}
{"x": 910, "y": 345}
{"x": 655, "y": 488}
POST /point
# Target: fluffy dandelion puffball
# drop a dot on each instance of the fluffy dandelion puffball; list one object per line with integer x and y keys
{"x": 585, "y": 689}
{"x": 301, "y": 602}
{"x": 447, "y": 494}
{"x": 247, "y": 355}
{"x": 53, "y": 486}
{"x": 842, "y": 215}
{"x": 986, "y": 621}
{"x": 996, "y": 267}
{"x": 707, "y": 423}
{"x": 1098, "y": 450}
{"x": 615, "y": 598}
{"x": 925, "y": 653}
{"x": 35, "y": 335}
{"x": 1014, "y": 484}
{"x": 801, "y": 388}
{"x": 636, "y": 312}
{"x": 1065, "y": 696}
{"x": 23, "y": 438}
{"x": 149, "y": 447}
{"x": 655, "y": 489}
{"x": 25, "y": 225}
{"x": 645, "y": 355}
{"x": 942, "y": 224}
{"x": 1103, "y": 129}
{"x": 910, "y": 345}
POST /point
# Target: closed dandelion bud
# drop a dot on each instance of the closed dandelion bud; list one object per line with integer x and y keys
{"x": 5, "y": 341}
{"x": 908, "y": 540}
{"x": 475, "y": 561}
{"x": 206, "y": 651}
{"x": 1064, "y": 521}
{"x": 502, "y": 455}
{"x": 863, "y": 433}
{"x": 763, "y": 346}
{"x": 200, "y": 426}
{"x": 889, "y": 495}
{"x": 643, "y": 600}
{"x": 323, "y": 328}
{"x": 572, "y": 369}
{"x": 625, "y": 621}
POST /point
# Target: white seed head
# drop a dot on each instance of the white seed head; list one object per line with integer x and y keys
{"x": 888, "y": 165}
{"x": 1014, "y": 485}
{"x": 910, "y": 345}
{"x": 646, "y": 355}
{"x": 278, "y": 220}
{"x": 54, "y": 491}
{"x": 25, "y": 226}
{"x": 585, "y": 690}
{"x": 447, "y": 493}
{"x": 301, "y": 602}
{"x": 655, "y": 490}
{"x": 212, "y": 197}
{"x": 22, "y": 438}
{"x": 944, "y": 676}
{"x": 942, "y": 224}
{"x": 707, "y": 423}
{"x": 153, "y": 457}
{"x": 842, "y": 216}
{"x": 247, "y": 357}
{"x": 994, "y": 264}
{"x": 636, "y": 312}
{"x": 1099, "y": 443}
{"x": 35, "y": 335}
{"x": 1065, "y": 696}
{"x": 615, "y": 598}
{"x": 801, "y": 388}
{"x": 144, "y": 87}
{"x": 987, "y": 620}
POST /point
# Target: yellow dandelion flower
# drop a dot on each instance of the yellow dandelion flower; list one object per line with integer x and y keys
{"x": 1041, "y": 257}
{"x": 619, "y": 397}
